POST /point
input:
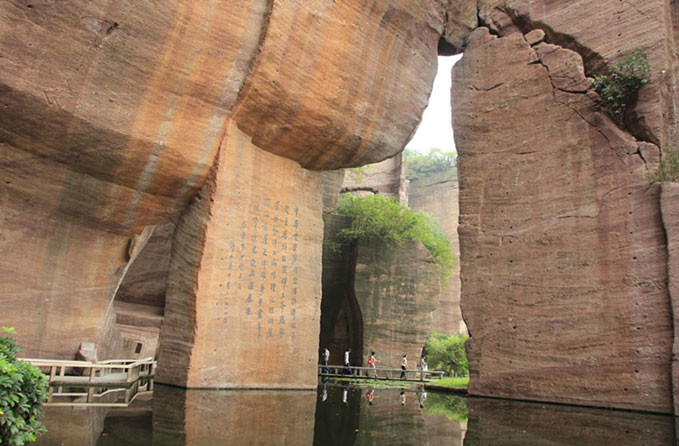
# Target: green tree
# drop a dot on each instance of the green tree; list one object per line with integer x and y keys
{"x": 436, "y": 160}
{"x": 447, "y": 353}
{"x": 385, "y": 218}
{"x": 23, "y": 389}
{"x": 618, "y": 89}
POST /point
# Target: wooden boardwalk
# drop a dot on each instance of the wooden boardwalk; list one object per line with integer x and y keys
{"x": 339, "y": 371}
{"x": 112, "y": 383}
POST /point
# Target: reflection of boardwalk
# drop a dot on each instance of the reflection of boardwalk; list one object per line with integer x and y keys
{"x": 115, "y": 382}
{"x": 339, "y": 371}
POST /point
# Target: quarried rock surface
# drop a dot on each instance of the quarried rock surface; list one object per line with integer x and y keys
{"x": 139, "y": 303}
{"x": 397, "y": 289}
{"x": 111, "y": 116}
{"x": 669, "y": 205}
{"x": 244, "y": 292}
{"x": 341, "y": 316}
{"x": 438, "y": 194}
{"x": 602, "y": 32}
{"x": 563, "y": 252}
{"x": 386, "y": 178}
{"x": 327, "y": 87}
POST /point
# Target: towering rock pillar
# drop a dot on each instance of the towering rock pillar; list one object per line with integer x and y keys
{"x": 243, "y": 300}
{"x": 563, "y": 251}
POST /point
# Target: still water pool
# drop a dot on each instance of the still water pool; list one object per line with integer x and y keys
{"x": 344, "y": 415}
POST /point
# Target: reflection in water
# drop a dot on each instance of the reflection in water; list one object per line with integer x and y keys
{"x": 72, "y": 425}
{"x": 378, "y": 416}
{"x": 346, "y": 415}
{"x": 519, "y": 423}
{"x": 238, "y": 417}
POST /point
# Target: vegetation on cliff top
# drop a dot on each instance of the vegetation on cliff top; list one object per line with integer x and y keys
{"x": 436, "y": 160}
{"x": 384, "y": 218}
{"x": 618, "y": 89}
{"x": 23, "y": 389}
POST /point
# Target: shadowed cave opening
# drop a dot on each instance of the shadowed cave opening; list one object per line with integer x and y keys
{"x": 139, "y": 302}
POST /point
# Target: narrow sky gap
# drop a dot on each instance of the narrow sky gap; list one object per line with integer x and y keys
{"x": 435, "y": 130}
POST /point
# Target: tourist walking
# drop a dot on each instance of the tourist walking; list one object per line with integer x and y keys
{"x": 326, "y": 358}
{"x": 423, "y": 367}
{"x": 404, "y": 367}
{"x": 347, "y": 367}
{"x": 371, "y": 363}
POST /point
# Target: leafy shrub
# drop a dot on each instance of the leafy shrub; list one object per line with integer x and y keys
{"x": 23, "y": 388}
{"x": 384, "y": 218}
{"x": 618, "y": 90}
{"x": 668, "y": 170}
{"x": 447, "y": 353}
{"x": 436, "y": 161}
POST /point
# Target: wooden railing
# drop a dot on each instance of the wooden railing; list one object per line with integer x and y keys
{"x": 101, "y": 383}
{"x": 382, "y": 373}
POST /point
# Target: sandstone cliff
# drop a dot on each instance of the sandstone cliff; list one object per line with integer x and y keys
{"x": 114, "y": 115}
{"x": 563, "y": 251}
{"x": 438, "y": 195}
{"x": 386, "y": 178}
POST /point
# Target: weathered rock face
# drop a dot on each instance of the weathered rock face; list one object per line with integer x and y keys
{"x": 341, "y": 316}
{"x": 139, "y": 302}
{"x": 437, "y": 194}
{"x": 563, "y": 252}
{"x": 397, "y": 289}
{"x": 246, "y": 264}
{"x": 669, "y": 205}
{"x": 386, "y": 178}
{"x": 146, "y": 280}
{"x": 376, "y": 297}
{"x": 601, "y": 32}
{"x": 110, "y": 122}
{"x": 327, "y": 87}
{"x": 112, "y": 116}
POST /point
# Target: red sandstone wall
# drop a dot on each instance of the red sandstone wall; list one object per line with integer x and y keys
{"x": 438, "y": 195}
{"x": 111, "y": 115}
{"x": 563, "y": 251}
{"x": 243, "y": 301}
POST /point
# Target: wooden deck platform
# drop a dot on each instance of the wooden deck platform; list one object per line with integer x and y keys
{"x": 339, "y": 371}
{"x": 114, "y": 382}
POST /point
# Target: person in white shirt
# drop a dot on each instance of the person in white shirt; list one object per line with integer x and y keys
{"x": 326, "y": 358}
{"x": 347, "y": 367}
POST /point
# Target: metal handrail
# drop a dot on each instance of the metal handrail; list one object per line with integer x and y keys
{"x": 387, "y": 372}
{"x": 108, "y": 364}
